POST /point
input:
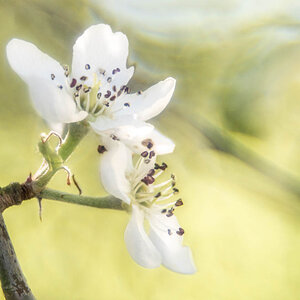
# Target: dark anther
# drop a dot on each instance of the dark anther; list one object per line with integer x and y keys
{"x": 60, "y": 87}
{"x": 52, "y": 76}
{"x": 83, "y": 78}
{"x": 146, "y": 161}
{"x": 106, "y": 104}
{"x": 101, "y": 71}
{"x": 173, "y": 183}
{"x": 148, "y": 143}
{"x": 126, "y": 104}
{"x": 139, "y": 92}
{"x": 164, "y": 211}
{"x": 115, "y": 138}
{"x": 163, "y": 166}
{"x": 112, "y": 98}
{"x": 169, "y": 232}
{"x": 109, "y": 79}
{"x": 66, "y": 67}
{"x": 156, "y": 166}
{"x": 87, "y": 66}
{"x": 101, "y": 149}
{"x": 127, "y": 90}
{"x": 175, "y": 190}
{"x": 158, "y": 195}
{"x": 123, "y": 87}
{"x": 144, "y": 154}
{"x": 173, "y": 176}
{"x": 108, "y": 93}
{"x": 180, "y": 231}
{"x": 99, "y": 95}
{"x": 171, "y": 210}
{"x": 73, "y": 82}
{"x": 148, "y": 180}
{"x": 76, "y": 94}
{"x": 114, "y": 88}
{"x": 151, "y": 172}
{"x": 151, "y": 154}
{"x": 86, "y": 90}
{"x": 169, "y": 214}
{"x": 119, "y": 93}
{"x": 78, "y": 87}
{"x": 118, "y": 69}
{"x": 179, "y": 202}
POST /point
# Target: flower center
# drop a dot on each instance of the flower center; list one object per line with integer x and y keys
{"x": 95, "y": 95}
{"x": 150, "y": 193}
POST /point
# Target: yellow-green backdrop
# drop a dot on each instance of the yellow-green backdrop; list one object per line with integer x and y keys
{"x": 234, "y": 118}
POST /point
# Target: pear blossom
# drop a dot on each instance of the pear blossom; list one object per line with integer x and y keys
{"x": 136, "y": 184}
{"x": 94, "y": 89}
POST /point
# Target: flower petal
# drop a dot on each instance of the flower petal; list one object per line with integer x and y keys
{"x": 46, "y": 81}
{"x": 113, "y": 166}
{"x": 115, "y": 162}
{"x": 175, "y": 257}
{"x": 149, "y": 103}
{"x": 123, "y": 127}
{"x": 98, "y": 48}
{"x": 161, "y": 144}
{"x": 138, "y": 243}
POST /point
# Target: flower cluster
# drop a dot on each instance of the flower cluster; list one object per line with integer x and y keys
{"x": 95, "y": 89}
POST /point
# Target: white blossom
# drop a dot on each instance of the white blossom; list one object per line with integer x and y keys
{"x": 137, "y": 185}
{"x": 95, "y": 88}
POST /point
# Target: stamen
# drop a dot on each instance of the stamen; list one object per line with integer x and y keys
{"x": 148, "y": 143}
{"x": 115, "y": 138}
{"x": 87, "y": 66}
{"x": 148, "y": 180}
{"x": 73, "y": 82}
{"x": 179, "y": 202}
{"x": 52, "y": 76}
{"x": 101, "y": 149}
{"x": 151, "y": 154}
{"x": 144, "y": 154}
{"x": 180, "y": 231}
{"x": 83, "y": 78}
{"x": 108, "y": 93}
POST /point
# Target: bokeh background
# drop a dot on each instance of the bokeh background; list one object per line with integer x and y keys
{"x": 235, "y": 121}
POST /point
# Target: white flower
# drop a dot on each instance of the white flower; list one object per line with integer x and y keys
{"x": 150, "y": 202}
{"x": 95, "y": 89}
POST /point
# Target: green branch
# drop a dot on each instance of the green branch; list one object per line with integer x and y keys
{"x": 98, "y": 202}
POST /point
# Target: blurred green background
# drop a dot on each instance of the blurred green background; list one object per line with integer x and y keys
{"x": 235, "y": 121}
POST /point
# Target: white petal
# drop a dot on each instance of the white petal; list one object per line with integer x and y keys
{"x": 114, "y": 165}
{"x": 138, "y": 243}
{"x": 57, "y": 127}
{"x": 161, "y": 144}
{"x": 123, "y": 127}
{"x": 149, "y": 103}
{"x": 100, "y": 48}
{"x": 175, "y": 257}
{"x": 35, "y": 68}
